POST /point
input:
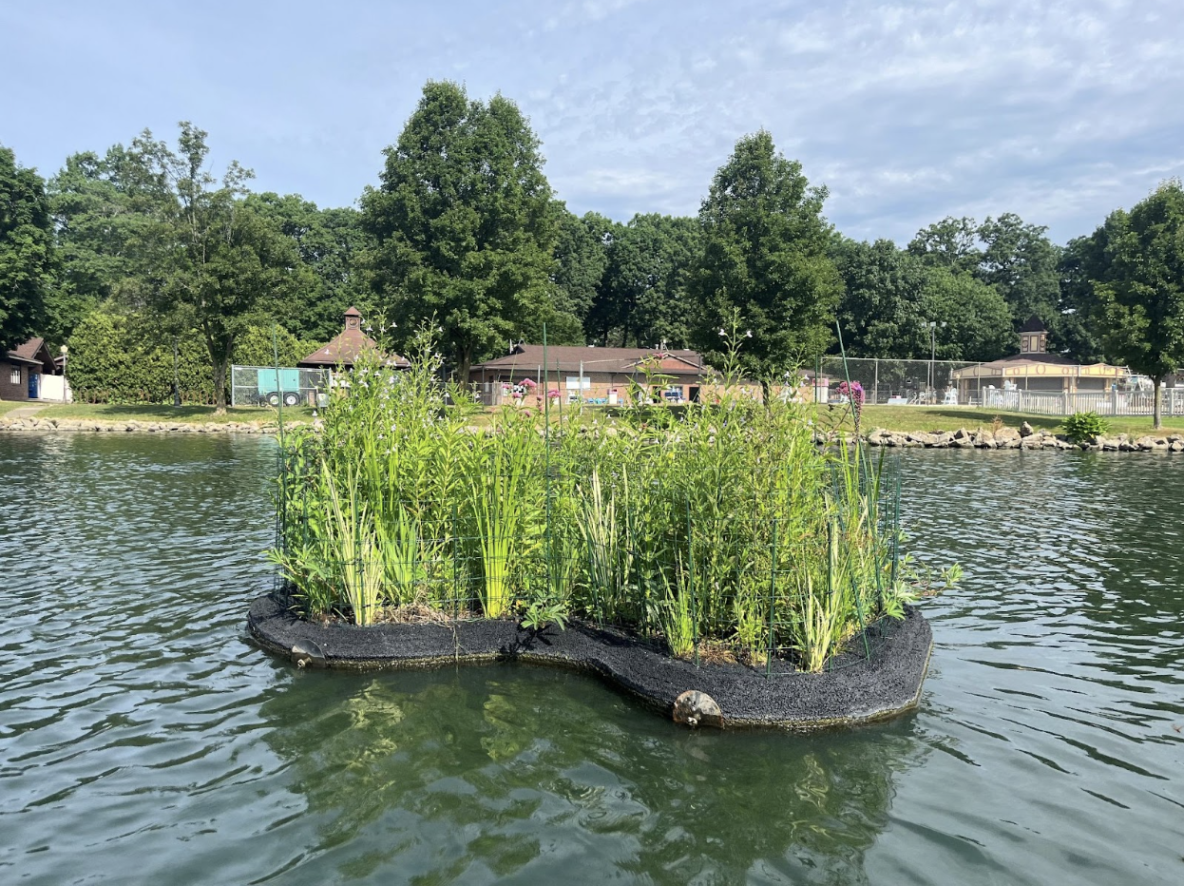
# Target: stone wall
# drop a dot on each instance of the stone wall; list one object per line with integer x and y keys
{"x": 33, "y": 423}
{"x": 1024, "y": 438}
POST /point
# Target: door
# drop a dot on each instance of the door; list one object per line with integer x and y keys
{"x": 34, "y": 378}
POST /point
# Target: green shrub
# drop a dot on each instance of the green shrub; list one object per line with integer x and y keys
{"x": 1084, "y": 427}
{"x": 121, "y": 358}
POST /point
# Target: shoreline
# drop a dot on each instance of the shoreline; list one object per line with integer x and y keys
{"x": 1025, "y": 438}
{"x": 1005, "y": 438}
{"x": 91, "y": 425}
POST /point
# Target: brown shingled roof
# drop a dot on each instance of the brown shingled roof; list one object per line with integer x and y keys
{"x": 615, "y": 360}
{"x": 28, "y": 353}
{"x": 343, "y": 349}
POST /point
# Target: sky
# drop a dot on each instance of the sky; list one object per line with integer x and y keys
{"x": 1060, "y": 112}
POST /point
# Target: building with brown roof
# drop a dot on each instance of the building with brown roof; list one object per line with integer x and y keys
{"x": 1034, "y": 369}
{"x": 596, "y": 375}
{"x": 343, "y": 350}
{"x": 24, "y": 369}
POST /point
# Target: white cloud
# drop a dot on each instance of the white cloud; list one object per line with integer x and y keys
{"x": 1061, "y": 110}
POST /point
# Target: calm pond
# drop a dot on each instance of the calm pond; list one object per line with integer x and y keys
{"x": 144, "y": 740}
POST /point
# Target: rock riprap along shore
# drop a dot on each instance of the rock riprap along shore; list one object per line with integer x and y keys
{"x": 1025, "y": 438}
{"x": 1004, "y": 438}
{"x": 34, "y": 423}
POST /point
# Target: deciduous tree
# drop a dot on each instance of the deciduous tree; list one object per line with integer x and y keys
{"x": 209, "y": 262}
{"x": 765, "y": 257}
{"x": 1139, "y": 285}
{"x": 891, "y": 296}
{"x": 642, "y": 299}
{"x": 464, "y": 224}
{"x": 103, "y": 210}
{"x": 26, "y": 251}
{"x": 329, "y": 242}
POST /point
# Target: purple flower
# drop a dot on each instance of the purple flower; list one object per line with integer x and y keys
{"x": 853, "y": 391}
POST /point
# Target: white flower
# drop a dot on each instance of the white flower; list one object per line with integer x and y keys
{"x": 722, "y": 333}
{"x": 748, "y": 334}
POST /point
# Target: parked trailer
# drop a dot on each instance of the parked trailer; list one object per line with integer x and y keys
{"x": 271, "y": 389}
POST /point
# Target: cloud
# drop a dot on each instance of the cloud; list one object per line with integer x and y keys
{"x": 1059, "y": 111}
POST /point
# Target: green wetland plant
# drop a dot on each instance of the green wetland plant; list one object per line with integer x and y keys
{"x": 721, "y": 527}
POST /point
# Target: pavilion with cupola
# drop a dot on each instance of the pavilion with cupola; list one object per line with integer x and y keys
{"x": 1034, "y": 369}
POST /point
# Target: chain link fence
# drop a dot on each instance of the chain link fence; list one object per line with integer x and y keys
{"x": 269, "y": 386}
{"x": 896, "y": 382}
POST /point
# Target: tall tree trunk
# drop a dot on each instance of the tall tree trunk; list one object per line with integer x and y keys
{"x": 220, "y": 385}
{"x": 464, "y": 362}
{"x": 1157, "y": 409}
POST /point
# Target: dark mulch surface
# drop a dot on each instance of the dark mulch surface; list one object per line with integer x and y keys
{"x": 854, "y": 690}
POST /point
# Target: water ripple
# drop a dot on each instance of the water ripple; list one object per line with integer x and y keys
{"x": 144, "y": 740}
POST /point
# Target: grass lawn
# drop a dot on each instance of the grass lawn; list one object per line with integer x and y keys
{"x": 189, "y": 414}
{"x": 891, "y": 418}
{"x": 951, "y": 418}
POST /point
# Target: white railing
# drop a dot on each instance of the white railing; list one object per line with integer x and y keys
{"x": 1103, "y": 403}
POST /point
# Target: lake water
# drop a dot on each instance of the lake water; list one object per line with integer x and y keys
{"x": 144, "y": 740}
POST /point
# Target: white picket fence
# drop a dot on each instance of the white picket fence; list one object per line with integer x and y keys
{"x": 1103, "y": 403}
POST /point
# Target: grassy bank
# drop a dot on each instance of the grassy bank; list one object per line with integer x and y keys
{"x": 187, "y": 414}
{"x": 951, "y": 418}
{"x": 7, "y": 406}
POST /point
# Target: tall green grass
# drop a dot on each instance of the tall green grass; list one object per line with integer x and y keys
{"x": 724, "y": 527}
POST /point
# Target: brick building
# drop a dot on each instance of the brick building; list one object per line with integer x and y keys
{"x": 24, "y": 369}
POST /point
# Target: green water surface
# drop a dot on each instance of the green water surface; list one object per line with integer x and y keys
{"x": 143, "y": 739}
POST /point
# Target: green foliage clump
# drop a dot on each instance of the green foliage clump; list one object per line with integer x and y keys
{"x": 722, "y": 525}
{"x": 464, "y": 225}
{"x": 117, "y": 357}
{"x": 1136, "y": 263}
{"x": 26, "y": 251}
{"x": 764, "y": 253}
{"x": 1084, "y": 427}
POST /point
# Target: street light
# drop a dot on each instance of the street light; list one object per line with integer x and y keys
{"x": 933, "y": 356}
{"x": 65, "y": 381}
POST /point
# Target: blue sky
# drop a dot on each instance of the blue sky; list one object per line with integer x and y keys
{"x": 908, "y": 112}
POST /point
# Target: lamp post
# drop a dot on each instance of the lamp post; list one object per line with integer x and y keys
{"x": 65, "y": 381}
{"x": 933, "y": 356}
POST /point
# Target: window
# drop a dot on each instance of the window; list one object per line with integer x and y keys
{"x": 14, "y": 376}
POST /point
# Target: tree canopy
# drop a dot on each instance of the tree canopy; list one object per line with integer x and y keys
{"x": 642, "y": 297}
{"x": 891, "y": 296}
{"x": 328, "y": 242}
{"x": 209, "y": 261}
{"x": 26, "y": 251}
{"x": 464, "y": 224}
{"x": 764, "y": 260}
{"x": 463, "y": 229}
{"x": 1137, "y": 272}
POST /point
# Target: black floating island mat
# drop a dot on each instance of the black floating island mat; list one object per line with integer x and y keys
{"x": 854, "y": 689}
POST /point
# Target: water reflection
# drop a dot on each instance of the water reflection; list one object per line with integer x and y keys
{"x": 142, "y": 740}
{"x": 517, "y": 772}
